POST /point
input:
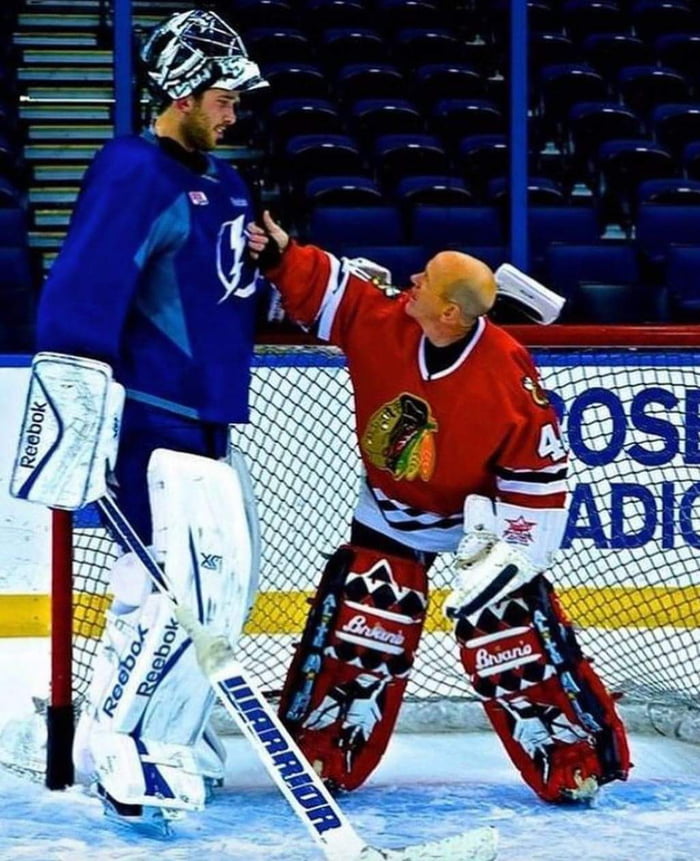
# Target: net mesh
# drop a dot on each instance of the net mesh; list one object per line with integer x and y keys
{"x": 628, "y": 574}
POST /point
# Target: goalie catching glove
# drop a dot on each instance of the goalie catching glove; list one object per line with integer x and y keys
{"x": 504, "y": 546}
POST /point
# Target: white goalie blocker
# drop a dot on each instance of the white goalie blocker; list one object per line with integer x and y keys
{"x": 69, "y": 433}
{"x": 504, "y": 546}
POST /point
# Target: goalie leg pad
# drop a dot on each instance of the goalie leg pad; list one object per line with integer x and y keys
{"x": 346, "y": 682}
{"x": 203, "y": 538}
{"x": 146, "y": 685}
{"x": 556, "y": 719}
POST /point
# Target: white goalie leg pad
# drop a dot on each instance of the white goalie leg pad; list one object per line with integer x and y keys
{"x": 70, "y": 432}
{"x": 504, "y": 547}
{"x": 146, "y": 772}
{"x": 238, "y": 464}
{"x": 202, "y": 538}
{"x": 147, "y": 711}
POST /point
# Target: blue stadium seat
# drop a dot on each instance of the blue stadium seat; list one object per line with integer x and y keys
{"x": 674, "y": 191}
{"x": 644, "y": 87}
{"x": 483, "y": 157}
{"x": 403, "y": 14}
{"x": 563, "y": 85}
{"x": 279, "y": 45}
{"x": 606, "y": 303}
{"x": 549, "y": 49}
{"x": 435, "y": 81}
{"x": 680, "y": 51}
{"x": 340, "y": 46}
{"x": 676, "y": 125}
{"x": 441, "y": 227}
{"x": 342, "y": 191}
{"x": 659, "y": 227}
{"x": 302, "y": 116}
{"x": 435, "y": 190}
{"x": 371, "y": 118}
{"x": 608, "y": 53}
{"x": 651, "y": 18}
{"x": 455, "y": 119}
{"x": 569, "y": 224}
{"x": 623, "y": 164}
{"x": 681, "y": 275}
{"x": 589, "y": 124}
{"x": 401, "y": 260}
{"x": 418, "y": 46}
{"x": 567, "y": 265}
{"x": 356, "y": 81}
{"x": 263, "y": 13}
{"x": 334, "y": 226}
{"x": 581, "y": 18}
{"x": 334, "y": 14}
{"x": 492, "y": 255}
{"x": 318, "y": 155}
{"x": 396, "y": 156}
{"x": 541, "y": 191}
{"x": 296, "y": 80}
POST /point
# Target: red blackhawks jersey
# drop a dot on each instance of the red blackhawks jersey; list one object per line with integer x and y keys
{"x": 482, "y": 425}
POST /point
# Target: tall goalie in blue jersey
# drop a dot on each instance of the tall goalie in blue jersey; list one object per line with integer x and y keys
{"x": 154, "y": 281}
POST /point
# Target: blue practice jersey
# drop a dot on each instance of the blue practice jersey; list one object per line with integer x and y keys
{"x": 152, "y": 278}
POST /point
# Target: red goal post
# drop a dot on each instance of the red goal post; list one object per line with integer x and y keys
{"x": 629, "y": 572}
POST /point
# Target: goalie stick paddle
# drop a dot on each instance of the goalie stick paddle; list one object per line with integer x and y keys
{"x": 303, "y": 789}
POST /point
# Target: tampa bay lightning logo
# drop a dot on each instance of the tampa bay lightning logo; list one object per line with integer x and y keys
{"x": 230, "y": 246}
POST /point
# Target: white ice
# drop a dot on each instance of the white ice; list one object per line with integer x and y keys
{"x": 426, "y": 788}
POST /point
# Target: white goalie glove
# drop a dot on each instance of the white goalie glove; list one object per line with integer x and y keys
{"x": 504, "y": 546}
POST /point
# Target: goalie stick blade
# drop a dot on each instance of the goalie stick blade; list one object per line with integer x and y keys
{"x": 481, "y": 844}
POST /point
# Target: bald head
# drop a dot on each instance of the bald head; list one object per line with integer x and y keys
{"x": 464, "y": 280}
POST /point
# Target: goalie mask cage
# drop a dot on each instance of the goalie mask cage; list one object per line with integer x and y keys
{"x": 628, "y": 575}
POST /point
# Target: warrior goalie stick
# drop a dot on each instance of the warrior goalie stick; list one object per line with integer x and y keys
{"x": 294, "y": 776}
{"x": 71, "y": 418}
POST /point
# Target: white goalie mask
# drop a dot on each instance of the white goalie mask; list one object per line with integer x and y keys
{"x": 194, "y": 51}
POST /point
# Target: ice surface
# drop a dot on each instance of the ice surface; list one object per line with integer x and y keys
{"x": 428, "y": 787}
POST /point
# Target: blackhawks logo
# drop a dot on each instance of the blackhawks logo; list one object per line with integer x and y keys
{"x": 400, "y": 437}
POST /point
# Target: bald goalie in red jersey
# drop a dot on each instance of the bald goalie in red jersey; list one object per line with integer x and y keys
{"x": 461, "y": 453}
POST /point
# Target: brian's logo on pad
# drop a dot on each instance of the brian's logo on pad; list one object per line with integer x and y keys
{"x": 198, "y": 198}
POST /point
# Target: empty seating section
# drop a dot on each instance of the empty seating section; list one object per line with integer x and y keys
{"x": 385, "y": 134}
{"x": 17, "y": 271}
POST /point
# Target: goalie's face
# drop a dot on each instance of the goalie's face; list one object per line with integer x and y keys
{"x": 206, "y": 118}
{"x": 426, "y": 302}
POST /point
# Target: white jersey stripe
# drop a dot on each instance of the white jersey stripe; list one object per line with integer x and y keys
{"x": 531, "y": 488}
{"x": 335, "y": 290}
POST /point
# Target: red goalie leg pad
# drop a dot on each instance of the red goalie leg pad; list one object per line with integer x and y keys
{"x": 346, "y": 683}
{"x": 550, "y": 709}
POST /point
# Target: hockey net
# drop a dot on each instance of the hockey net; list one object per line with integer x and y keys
{"x": 629, "y": 573}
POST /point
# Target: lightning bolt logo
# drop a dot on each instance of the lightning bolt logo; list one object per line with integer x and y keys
{"x": 230, "y": 246}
